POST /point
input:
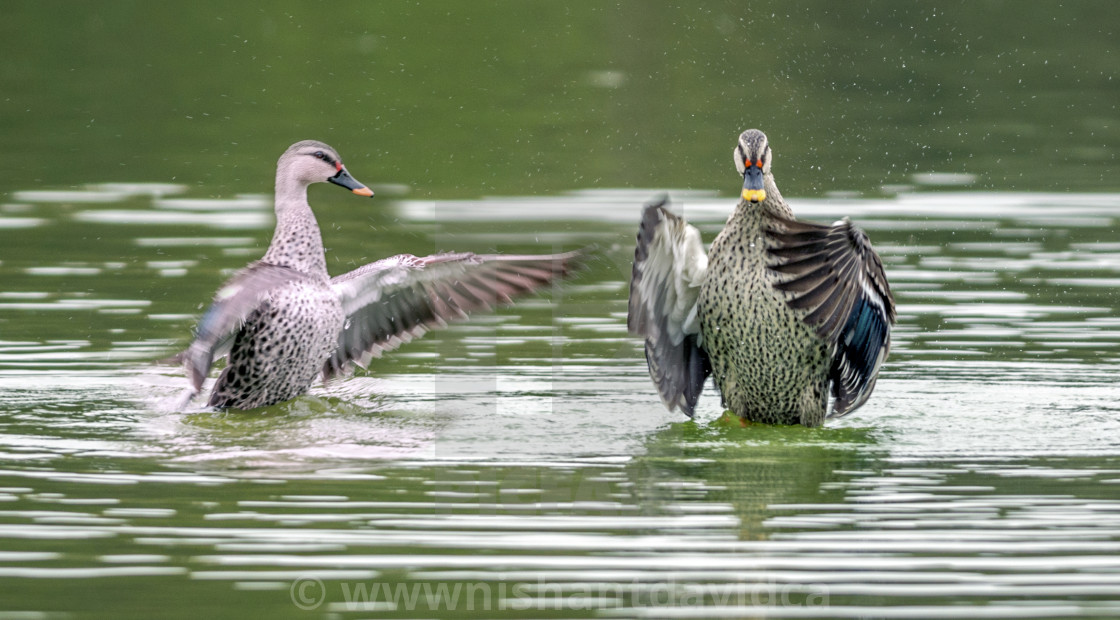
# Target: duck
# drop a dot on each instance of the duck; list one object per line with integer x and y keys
{"x": 283, "y": 322}
{"x": 791, "y": 319}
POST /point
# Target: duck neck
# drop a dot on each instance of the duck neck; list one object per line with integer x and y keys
{"x": 773, "y": 206}
{"x": 297, "y": 242}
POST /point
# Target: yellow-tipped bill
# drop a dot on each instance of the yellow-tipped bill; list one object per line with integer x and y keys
{"x": 754, "y": 195}
{"x": 754, "y": 186}
{"x": 344, "y": 179}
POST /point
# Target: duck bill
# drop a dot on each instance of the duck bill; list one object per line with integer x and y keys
{"x": 752, "y": 185}
{"x": 344, "y": 179}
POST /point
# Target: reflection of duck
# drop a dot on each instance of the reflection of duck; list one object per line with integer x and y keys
{"x": 283, "y": 320}
{"x": 697, "y": 466}
{"x": 780, "y": 312}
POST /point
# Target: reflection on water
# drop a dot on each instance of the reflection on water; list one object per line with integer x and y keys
{"x": 706, "y": 524}
{"x": 523, "y": 457}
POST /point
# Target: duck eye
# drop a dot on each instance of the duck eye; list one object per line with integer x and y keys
{"x": 321, "y": 155}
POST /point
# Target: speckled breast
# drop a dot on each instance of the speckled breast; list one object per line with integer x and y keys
{"x": 281, "y": 348}
{"x": 767, "y": 364}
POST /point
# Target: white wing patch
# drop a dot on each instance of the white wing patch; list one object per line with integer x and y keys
{"x": 670, "y": 267}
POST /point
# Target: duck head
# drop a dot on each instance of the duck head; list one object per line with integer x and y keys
{"x": 752, "y": 160}
{"x": 311, "y": 161}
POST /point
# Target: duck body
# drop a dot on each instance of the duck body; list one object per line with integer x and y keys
{"x": 791, "y": 319}
{"x": 283, "y": 342}
{"x": 284, "y": 322}
{"x": 767, "y": 362}
{"x": 281, "y": 347}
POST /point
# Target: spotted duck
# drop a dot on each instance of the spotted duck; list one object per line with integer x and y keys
{"x": 283, "y": 322}
{"x": 791, "y": 319}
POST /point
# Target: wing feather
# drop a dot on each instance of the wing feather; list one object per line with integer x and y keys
{"x": 669, "y": 268}
{"x": 835, "y": 278}
{"x": 392, "y": 301}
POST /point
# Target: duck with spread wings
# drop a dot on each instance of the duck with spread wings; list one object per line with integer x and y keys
{"x": 791, "y": 319}
{"x": 282, "y": 322}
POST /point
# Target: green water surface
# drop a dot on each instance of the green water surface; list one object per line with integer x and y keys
{"x": 520, "y": 465}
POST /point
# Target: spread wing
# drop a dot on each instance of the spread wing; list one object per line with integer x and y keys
{"x": 394, "y": 300}
{"x": 233, "y": 303}
{"x": 669, "y": 267}
{"x": 837, "y": 279}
